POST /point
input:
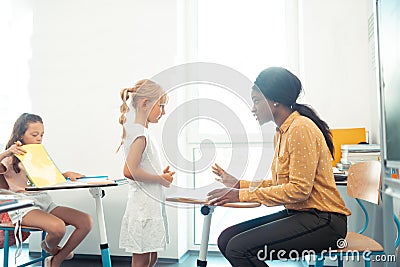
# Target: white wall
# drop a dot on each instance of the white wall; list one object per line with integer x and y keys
{"x": 336, "y": 63}
{"x": 84, "y": 52}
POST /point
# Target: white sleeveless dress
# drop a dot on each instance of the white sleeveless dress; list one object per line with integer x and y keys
{"x": 144, "y": 225}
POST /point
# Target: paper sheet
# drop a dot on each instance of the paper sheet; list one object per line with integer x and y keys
{"x": 40, "y": 168}
{"x": 43, "y": 173}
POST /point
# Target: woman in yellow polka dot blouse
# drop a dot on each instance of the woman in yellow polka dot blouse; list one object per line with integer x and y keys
{"x": 315, "y": 217}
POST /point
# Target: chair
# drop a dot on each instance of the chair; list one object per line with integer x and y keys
{"x": 8, "y": 228}
{"x": 363, "y": 183}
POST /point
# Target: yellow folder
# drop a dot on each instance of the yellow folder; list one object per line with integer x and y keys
{"x": 346, "y": 136}
{"x": 40, "y": 168}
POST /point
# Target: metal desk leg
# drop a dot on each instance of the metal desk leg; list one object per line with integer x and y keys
{"x": 97, "y": 194}
{"x": 388, "y": 227}
{"x": 207, "y": 212}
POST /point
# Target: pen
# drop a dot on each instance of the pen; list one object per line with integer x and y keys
{"x": 89, "y": 177}
{"x": 99, "y": 177}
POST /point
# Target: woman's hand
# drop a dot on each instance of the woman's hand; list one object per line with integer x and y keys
{"x": 15, "y": 149}
{"x": 167, "y": 177}
{"x": 73, "y": 175}
{"x": 219, "y": 197}
{"x": 224, "y": 177}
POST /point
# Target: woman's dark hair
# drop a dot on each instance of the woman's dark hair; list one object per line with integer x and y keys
{"x": 280, "y": 85}
{"x": 19, "y": 129}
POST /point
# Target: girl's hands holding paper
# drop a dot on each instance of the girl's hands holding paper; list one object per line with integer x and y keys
{"x": 15, "y": 149}
{"x": 73, "y": 175}
{"x": 167, "y": 177}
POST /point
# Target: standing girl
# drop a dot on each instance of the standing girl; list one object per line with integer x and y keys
{"x": 46, "y": 215}
{"x": 144, "y": 229}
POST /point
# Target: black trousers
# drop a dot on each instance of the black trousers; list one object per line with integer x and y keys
{"x": 282, "y": 235}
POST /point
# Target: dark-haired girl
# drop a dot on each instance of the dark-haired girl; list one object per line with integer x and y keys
{"x": 46, "y": 215}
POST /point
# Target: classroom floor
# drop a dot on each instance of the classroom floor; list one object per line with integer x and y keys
{"x": 215, "y": 259}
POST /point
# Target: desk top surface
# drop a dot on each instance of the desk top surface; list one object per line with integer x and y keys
{"x": 73, "y": 185}
{"x": 204, "y": 202}
{"x": 15, "y": 204}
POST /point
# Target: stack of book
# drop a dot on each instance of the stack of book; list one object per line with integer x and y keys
{"x": 358, "y": 153}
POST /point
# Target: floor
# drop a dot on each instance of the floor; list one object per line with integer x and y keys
{"x": 214, "y": 259}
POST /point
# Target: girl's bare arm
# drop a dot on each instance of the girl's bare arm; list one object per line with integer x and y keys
{"x": 134, "y": 172}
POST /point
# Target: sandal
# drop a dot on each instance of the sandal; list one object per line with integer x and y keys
{"x": 69, "y": 256}
{"x": 47, "y": 261}
{"x": 53, "y": 252}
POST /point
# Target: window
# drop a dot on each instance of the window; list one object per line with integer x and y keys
{"x": 245, "y": 36}
{"x": 248, "y": 37}
{"x": 16, "y": 22}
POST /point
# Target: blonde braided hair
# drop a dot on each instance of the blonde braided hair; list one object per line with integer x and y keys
{"x": 142, "y": 89}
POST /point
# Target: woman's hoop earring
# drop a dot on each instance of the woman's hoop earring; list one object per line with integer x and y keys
{"x": 276, "y": 104}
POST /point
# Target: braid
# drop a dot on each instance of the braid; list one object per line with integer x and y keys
{"x": 148, "y": 89}
{"x": 124, "y": 109}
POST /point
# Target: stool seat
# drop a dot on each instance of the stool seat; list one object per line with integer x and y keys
{"x": 359, "y": 242}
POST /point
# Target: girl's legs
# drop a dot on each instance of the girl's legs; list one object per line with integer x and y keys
{"x": 153, "y": 259}
{"x": 141, "y": 260}
{"x": 53, "y": 226}
{"x": 83, "y": 224}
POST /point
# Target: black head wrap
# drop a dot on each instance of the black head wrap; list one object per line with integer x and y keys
{"x": 279, "y": 84}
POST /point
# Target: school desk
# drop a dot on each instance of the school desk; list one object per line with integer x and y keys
{"x": 207, "y": 211}
{"x": 14, "y": 204}
{"x": 9, "y": 204}
{"x": 97, "y": 193}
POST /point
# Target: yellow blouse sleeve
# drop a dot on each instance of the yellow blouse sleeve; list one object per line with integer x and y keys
{"x": 246, "y": 184}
